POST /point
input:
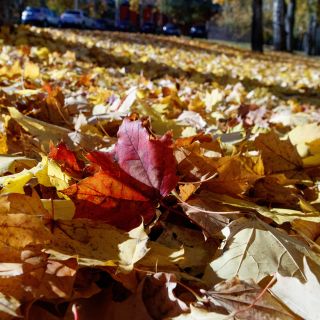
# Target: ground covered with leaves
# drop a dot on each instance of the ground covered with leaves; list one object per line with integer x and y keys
{"x": 145, "y": 177}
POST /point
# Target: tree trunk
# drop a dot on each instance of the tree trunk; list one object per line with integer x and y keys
{"x": 279, "y": 41}
{"x": 290, "y": 20}
{"x": 257, "y": 26}
{"x": 312, "y": 43}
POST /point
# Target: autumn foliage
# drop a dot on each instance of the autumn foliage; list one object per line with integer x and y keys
{"x": 156, "y": 178}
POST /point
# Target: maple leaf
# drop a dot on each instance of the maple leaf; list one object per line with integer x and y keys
{"x": 236, "y": 174}
{"x": 146, "y": 158}
{"x": 122, "y": 192}
{"x": 253, "y": 250}
{"x": 277, "y": 155}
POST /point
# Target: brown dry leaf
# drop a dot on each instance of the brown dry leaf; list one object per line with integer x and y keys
{"x": 46, "y": 133}
{"x": 277, "y": 155}
{"x": 20, "y": 203}
{"x": 55, "y": 111}
{"x": 246, "y": 300}
{"x": 308, "y": 228}
{"x": 236, "y": 174}
{"x": 48, "y": 278}
{"x": 268, "y": 191}
{"x": 162, "y": 258}
{"x": 159, "y": 297}
{"x": 14, "y": 164}
{"x": 17, "y": 230}
{"x": 205, "y": 212}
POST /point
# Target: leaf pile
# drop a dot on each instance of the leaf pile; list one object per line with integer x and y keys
{"x": 156, "y": 178}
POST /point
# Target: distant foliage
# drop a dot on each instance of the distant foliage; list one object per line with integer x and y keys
{"x": 187, "y": 11}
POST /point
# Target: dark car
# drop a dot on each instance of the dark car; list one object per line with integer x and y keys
{"x": 171, "y": 29}
{"x": 198, "y": 32}
{"x": 148, "y": 27}
{"x": 39, "y": 16}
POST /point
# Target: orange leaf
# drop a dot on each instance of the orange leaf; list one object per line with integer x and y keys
{"x": 105, "y": 197}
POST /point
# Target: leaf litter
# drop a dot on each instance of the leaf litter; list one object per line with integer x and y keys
{"x": 155, "y": 179}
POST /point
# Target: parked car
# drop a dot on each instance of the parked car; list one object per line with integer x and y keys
{"x": 53, "y": 19}
{"x": 148, "y": 27}
{"x": 198, "y": 31}
{"x": 76, "y": 19}
{"x": 171, "y": 29}
{"x": 39, "y": 16}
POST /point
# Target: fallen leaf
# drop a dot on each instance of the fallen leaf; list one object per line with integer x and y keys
{"x": 20, "y": 203}
{"x": 107, "y": 198}
{"x": 253, "y": 250}
{"x": 277, "y": 155}
{"x": 236, "y": 174}
{"x": 246, "y": 300}
{"x": 31, "y": 71}
{"x": 146, "y": 158}
{"x": 66, "y": 158}
{"x": 97, "y": 244}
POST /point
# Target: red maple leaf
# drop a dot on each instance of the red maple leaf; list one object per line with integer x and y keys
{"x": 121, "y": 193}
{"x": 146, "y": 158}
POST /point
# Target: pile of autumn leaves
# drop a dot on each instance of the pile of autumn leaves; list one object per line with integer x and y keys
{"x": 151, "y": 227}
{"x": 198, "y": 242}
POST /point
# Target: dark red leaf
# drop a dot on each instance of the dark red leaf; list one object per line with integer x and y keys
{"x": 146, "y": 158}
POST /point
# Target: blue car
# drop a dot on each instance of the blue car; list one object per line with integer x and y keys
{"x": 39, "y": 17}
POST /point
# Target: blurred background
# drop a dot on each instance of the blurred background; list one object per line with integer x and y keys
{"x": 288, "y": 25}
